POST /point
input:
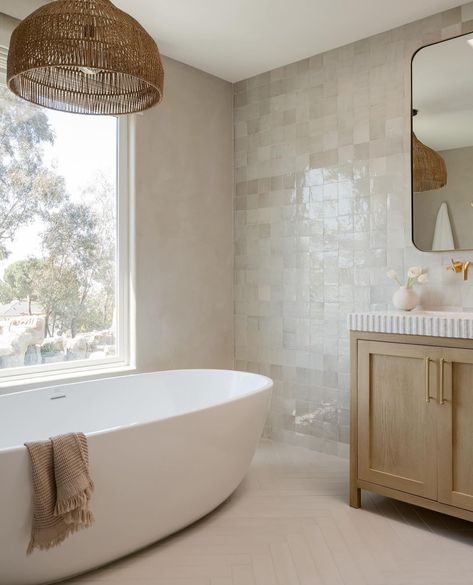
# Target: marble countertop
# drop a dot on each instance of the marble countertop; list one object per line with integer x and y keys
{"x": 429, "y": 323}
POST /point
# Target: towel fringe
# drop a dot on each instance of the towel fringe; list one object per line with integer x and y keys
{"x": 37, "y": 543}
{"x": 82, "y": 518}
{"x": 72, "y": 503}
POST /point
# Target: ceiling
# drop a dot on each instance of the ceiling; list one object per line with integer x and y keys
{"x": 442, "y": 88}
{"x": 237, "y": 39}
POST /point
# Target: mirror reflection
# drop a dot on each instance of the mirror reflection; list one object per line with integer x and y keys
{"x": 442, "y": 145}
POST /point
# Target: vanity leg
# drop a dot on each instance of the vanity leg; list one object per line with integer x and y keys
{"x": 355, "y": 496}
{"x": 355, "y": 491}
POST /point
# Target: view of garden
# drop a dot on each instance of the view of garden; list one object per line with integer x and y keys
{"x": 57, "y": 234}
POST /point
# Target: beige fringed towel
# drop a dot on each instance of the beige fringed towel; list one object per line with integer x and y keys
{"x": 61, "y": 489}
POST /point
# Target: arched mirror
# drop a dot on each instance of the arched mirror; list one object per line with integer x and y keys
{"x": 442, "y": 145}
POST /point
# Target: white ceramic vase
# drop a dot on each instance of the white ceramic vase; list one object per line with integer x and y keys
{"x": 405, "y": 299}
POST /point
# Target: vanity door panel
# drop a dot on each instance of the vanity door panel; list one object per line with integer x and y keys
{"x": 397, "y": 390}
{"x": 455, "y": 432}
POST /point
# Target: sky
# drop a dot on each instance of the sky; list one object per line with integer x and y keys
{"x": 84, "y": 145}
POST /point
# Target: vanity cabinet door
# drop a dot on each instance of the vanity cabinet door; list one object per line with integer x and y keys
{"x": 397, "y": 391}
{"x": 455, "y": 429}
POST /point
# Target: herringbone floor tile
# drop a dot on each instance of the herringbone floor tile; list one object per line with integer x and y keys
{"x": 289, "y": 524}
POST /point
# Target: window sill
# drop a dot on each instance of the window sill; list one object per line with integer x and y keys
{"x": 10, "y": 384}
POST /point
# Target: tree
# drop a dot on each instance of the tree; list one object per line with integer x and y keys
{"x": 27, "y": 186}
{"x": 74, "y": 280}
{"x": 73, "y": 275}
{"x": 20, "y": 281}
{"x": 79, "y": 265}
{"x": 100, "y": 196}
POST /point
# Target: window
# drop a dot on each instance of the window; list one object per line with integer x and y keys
{"x": 64, "y": 267}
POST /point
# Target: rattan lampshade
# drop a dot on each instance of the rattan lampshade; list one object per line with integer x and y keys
{"x": 429, "y": 168}
{"x": 85, "y": 57}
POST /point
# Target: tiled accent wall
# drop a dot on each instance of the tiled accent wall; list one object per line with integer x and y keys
{"x": 322, "y": 210}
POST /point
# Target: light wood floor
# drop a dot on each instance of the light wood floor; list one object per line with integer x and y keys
{"x": 289, "y": 524}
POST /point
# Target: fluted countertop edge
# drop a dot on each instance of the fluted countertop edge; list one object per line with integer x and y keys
{"x": 427, "y": 323}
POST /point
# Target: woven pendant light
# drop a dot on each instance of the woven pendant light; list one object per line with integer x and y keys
{"x": 429, "y": 168}
{"x": 85, "y": 57}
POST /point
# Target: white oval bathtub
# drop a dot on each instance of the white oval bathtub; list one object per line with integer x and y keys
{"x": 165, "y": 449}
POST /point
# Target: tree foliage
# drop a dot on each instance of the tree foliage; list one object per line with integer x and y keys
{"x": 78, "y": 267}
{"x": 20, "y": 281}
{"x": 72, "y": 275}
{"x": 27, "y": 186}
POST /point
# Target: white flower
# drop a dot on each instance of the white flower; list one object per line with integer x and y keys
{"x": 414, "y": 272}
{"x": 392, "y": 274}
{"x": 422, "y": 279}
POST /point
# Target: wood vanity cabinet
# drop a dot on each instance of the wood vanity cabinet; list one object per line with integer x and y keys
{"x": 412, "y": 420}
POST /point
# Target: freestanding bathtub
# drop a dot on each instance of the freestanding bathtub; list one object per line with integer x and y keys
{"x": 165, "y": 449}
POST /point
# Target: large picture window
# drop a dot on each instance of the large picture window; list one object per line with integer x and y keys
{"x": 63, "y": 240}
